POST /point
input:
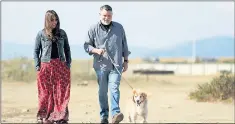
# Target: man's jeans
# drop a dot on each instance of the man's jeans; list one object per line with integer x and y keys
{"x": 108, "y": 79}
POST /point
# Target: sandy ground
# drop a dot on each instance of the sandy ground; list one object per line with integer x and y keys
{"x": 169, "y": 102}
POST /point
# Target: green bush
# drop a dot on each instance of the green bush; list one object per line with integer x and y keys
{"x": 221, "y": 88}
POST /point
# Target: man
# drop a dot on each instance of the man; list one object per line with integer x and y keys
{"x": 106, "y": 41}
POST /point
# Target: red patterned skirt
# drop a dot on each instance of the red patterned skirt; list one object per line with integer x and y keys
{"x": 53, "y": 82}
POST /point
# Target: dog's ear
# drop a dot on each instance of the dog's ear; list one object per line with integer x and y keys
{"x": 133, "y": 99}
{"x": 134, "y": 91}
{"x": 148, "y": 94}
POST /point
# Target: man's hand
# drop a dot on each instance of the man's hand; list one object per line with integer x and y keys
{"x": 125, "y": 66}
{"x": 98, "y": 51}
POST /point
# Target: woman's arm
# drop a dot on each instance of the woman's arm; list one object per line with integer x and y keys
{"x": 37, "y": 49}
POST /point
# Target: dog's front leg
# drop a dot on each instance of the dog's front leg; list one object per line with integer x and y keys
{"x": 133, "y": 118}
{"x": 129, "y": 117}
{"x": 144, "y": 121}
{"x": 144, "y": 116}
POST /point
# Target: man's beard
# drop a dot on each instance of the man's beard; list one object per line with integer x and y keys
{"x": 106, "y": 22}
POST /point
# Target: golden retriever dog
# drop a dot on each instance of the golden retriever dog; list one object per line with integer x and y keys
{"x": 137, "y": 106}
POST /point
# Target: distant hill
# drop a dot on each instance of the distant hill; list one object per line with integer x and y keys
{"x": 210, "y": 47}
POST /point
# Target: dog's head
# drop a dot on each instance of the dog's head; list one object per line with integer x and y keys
{"x": 139, "y": 97}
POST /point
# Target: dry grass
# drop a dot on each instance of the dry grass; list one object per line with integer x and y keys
{"x": 174, "y": 60}
{"x": 221, "y": 88}
{"x": 22, "y": 69}
{"x": 136, "y": 61}
{"x": 226, "y": 60}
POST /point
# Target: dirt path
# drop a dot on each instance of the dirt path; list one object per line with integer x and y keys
{"x": 168, "y": 103}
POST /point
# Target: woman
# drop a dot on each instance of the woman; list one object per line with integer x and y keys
{"x": 52, "y": 60}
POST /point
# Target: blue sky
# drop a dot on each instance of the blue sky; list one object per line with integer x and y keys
{"x": 150, "y": 24}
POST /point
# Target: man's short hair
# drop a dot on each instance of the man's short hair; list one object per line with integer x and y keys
{"x": 106, "y": 7}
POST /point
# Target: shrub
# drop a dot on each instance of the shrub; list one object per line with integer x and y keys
{"x": 221, "y": 88}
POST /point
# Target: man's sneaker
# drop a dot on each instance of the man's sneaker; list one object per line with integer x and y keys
{"x": 117, "y": 118}
{"x": 104, "y": 121}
